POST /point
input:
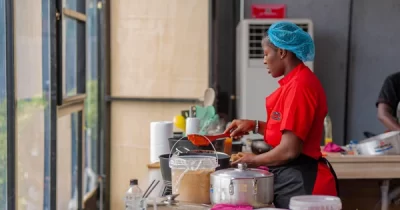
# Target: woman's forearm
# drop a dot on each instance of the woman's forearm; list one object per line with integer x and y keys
{"x": 275, "y": 157}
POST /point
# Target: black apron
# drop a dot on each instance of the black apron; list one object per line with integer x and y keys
{"x": 296, "y": 178}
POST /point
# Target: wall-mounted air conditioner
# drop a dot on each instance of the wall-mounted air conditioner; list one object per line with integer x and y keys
{"x": 253, "y": 82}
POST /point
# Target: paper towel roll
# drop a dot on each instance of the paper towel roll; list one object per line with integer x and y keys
{"x": 192, "y": 125}
{"x": 160, "y": 132}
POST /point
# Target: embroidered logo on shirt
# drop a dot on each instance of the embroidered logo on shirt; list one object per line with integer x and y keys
{"x": 276, "y": 116}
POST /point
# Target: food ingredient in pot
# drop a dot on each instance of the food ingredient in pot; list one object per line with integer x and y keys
{"x": 194, "y": 186}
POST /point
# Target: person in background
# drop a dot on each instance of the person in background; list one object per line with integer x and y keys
{"x": 387, "y": 103}
{"x": 295, "y": 123}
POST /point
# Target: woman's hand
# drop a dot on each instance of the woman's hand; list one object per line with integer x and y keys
{"x": 238, "y": 128}
{"x": 248, "y": 158}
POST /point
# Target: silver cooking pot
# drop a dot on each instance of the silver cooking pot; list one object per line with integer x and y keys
{"x": 242, "y": 186}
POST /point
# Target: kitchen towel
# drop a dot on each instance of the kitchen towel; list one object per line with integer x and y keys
{"x": 230, "y": 207}
{"x": 331, "y": 147}
{"x": 160, "y": 132}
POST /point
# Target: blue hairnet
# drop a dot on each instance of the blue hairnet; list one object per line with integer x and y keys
{"x": 289, "y": 36}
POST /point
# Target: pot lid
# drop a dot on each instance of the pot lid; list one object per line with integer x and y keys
{"x": 242, "y": 172}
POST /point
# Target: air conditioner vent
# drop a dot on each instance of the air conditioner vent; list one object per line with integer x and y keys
{"x": 256, "y": 34}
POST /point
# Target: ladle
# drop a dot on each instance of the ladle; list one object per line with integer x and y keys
{"x": 200, "y": 140}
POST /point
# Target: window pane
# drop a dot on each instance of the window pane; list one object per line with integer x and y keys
{"x": 73, "y": 58}
{"x": 3, "y": 112}
{"x": 70, "y": 58}
{"x": 77, "y": 5}
{"x": 92, "y": 101}
{"x": 67, "y": 167}
{"x": 31, "y": 70}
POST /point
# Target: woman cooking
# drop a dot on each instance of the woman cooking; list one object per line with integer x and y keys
{"x": 296, "y": 111}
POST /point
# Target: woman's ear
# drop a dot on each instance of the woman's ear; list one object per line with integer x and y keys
{"x": 282, "y": 53}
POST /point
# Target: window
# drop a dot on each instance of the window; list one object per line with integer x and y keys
{"x": 73, "y": 37}
{"x": 32, "y": 94}
{"x": 92, "y": 100}
{"x": 38, "y": 115}
{"x": 67, "y": 165}
{"x": 3, "y": 111}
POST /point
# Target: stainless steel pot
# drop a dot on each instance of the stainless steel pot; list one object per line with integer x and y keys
{"x": 242, "y": 186}
{"x": 383, "y": 144}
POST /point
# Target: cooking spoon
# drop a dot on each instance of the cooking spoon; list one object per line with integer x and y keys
{"x": 209, "y": 97}
{"x": 200, "y": 140}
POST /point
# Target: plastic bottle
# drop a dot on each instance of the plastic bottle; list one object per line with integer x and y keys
{"x": 328, "y": 129}
{"x": 228, "y": 146}
{"x": 133, "y": 197}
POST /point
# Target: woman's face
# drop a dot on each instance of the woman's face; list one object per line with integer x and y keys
{"x": 273, "y": 61}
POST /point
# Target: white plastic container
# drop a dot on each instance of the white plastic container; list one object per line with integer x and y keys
{"x": 315, "y": 202}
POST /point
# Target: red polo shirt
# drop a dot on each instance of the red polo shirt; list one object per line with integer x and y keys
{"x": 298, "y": 105}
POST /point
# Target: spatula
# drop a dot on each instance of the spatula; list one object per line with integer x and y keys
{"x": 200, "y": 140}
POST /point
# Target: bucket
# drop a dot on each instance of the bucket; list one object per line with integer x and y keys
{"x": 191, "y": 176}
{"x": 315, "y": 202}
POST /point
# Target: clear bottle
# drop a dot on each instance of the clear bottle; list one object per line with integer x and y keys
{"x": 133, "y": 197}
{"x": 328, "y": 129}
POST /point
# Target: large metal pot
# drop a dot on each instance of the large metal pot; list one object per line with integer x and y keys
{"x": 242, "y": 186}
{"x": 383, "y": 144}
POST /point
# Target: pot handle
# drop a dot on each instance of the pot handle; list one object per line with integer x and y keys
{"x": 255, "y": 186}
{"x": 181, "y": 149}
{"x": 231, "y": 188}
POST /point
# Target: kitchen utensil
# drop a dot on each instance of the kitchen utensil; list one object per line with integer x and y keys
{"x": 193, "y": 111}
{"x": 180, "y": 122}
{"x": 242, "y": 186}
{"x": 383, "y": 144}
{"x": 185, "y": 113}
{"x": 258, "y": 146}
{"x": 200, "y": 140}
{"x": 315, "y": 202}
{"x": 150, "y": 188}
{"x": 184, "y": 143}
{"x": 209, "y": 97}
{"x": 171, "y": 199}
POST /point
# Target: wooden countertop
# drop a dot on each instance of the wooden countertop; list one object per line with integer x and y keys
{"x": 365, "y": 167}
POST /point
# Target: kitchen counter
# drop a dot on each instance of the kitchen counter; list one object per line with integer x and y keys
{"x": 363, "y": 178}
{"x": 365, "y": 167}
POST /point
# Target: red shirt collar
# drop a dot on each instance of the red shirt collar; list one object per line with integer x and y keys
{"x": 286, "y": 79}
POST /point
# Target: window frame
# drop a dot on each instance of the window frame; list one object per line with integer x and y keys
{"x": 76, "y": 103}
{"x": 11, "y": 108}
{"x": 58, "y": 105}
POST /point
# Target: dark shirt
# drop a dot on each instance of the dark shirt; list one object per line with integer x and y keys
{"x": 390, "y": 92}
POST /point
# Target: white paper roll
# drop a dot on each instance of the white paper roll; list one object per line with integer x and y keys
{"x": 192, "y": 125}
{"x": 160, "y": 132}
